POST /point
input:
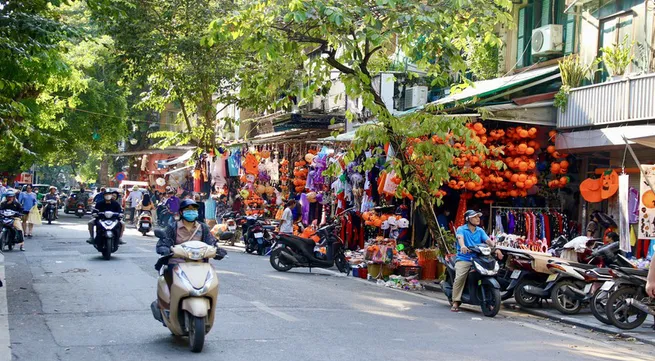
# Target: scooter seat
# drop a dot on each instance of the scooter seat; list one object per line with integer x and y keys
{"x": 635, "y": 271}
{"x": 305, "y": 241}
{"x": 602, "y": 271}
{"x": 583, "y": 265}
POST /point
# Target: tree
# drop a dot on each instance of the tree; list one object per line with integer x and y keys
{"x": 349, "y": 35}
{"x": 159, "y": 45}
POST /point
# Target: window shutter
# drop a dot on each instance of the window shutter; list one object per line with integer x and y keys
{"x": 569, "y": 34}
{"x": 545, "y": 13}
{"x": 520, "y": 43}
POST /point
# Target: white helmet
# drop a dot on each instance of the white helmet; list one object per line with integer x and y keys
{"x": 392, "y": 221}
{"x": 385, "y": 225}
{"x": 403, "y": 223}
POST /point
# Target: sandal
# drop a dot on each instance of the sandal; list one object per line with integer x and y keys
{"x": 22, "y": 248}
{"x": 454, "y": 308}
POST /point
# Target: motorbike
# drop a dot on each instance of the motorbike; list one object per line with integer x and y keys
{"x": 80, "y": 209}
{"x": 257, "y": 237}
{"x": 9, "y": 236}
{"x": 481, "y": 288}
{"x": 144, "y": 224}
{"x": 291, "y": 251}
{"x": 628, "y": 306}
{"x": 51, "y": 207}
{"x": 522, "y": 268}
{"x": 163, "y": 215}
{"x": 108, "y": 232}
{"x": 186, "y": 297}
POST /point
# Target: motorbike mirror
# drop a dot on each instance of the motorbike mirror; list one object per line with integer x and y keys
{"x": 160, "y": 233}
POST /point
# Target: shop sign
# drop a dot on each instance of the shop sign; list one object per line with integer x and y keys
{"x": 26, "y": 177}
{"x": 647, "y": 204}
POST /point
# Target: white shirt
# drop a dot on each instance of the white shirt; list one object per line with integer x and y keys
{"x": 287, "y": 221}
{"x": 135, "y": 198}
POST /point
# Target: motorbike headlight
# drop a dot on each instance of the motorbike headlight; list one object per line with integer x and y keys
{"x": 485, "y": 251}
{"x": 194, "y": 254}
{"x": 485, "y": 272}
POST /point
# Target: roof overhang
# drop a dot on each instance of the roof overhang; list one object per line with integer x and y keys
{"x": 540, "y": 113}
{"x": 605, "y": 139}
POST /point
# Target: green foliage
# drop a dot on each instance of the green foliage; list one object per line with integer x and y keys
{"x": 573, "y": 72}
{"x": 618, "y": 57}
{"x": 482, "y": 59}
{"x": 562, "y": 98}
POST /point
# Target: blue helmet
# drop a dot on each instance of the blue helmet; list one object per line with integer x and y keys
{"x": 10, "y": 194}
{"x": 188, "y": 203}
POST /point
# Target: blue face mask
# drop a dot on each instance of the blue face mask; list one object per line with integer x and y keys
{"x": 190, "y": 215}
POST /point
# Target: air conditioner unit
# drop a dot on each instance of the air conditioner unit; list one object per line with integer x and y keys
{"x": 416, "y": 96}
{"x": 547, "y": 40}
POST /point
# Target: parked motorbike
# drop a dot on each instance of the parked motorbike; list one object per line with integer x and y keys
{"x": 9, "y": 236}
{"x": 51, "y": 207}
{"x": 186, "y": 297}
{"x": 481, "y": 288}
{"x": 628, "y": 306}
{"x": 107, "y": 232}
{"x": 80, "y": 209}
{"x": 144, "y": 224}
{"x": 257, "y": 236}
{"x": 291, "y": 251}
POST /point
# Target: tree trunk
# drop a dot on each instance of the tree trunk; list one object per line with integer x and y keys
{"x": 103, "y": 176}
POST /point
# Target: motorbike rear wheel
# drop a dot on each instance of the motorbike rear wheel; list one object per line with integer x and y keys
{"x": 563, "y": 303}
{"x": 196, "y": 327}
{"x": 49, "y": 217}
{"x": 620, "y": 313}
{"x": 598, "y": 305}
{"x": 491, "y": 306}
{"x": 277, "y": 263}
{"x": 341, "y": 262}
{"x": 523, "y": 298}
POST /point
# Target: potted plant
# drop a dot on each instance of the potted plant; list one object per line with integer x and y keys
{"x": 573, "y": 72}
{"x": 617, "y": 58}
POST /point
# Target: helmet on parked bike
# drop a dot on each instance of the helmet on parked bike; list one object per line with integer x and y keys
{"x": 470, "y": 214}
{"x": 188, "y": 203}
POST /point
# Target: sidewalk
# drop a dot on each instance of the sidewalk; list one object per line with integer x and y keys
{"x": 584, "y": 319}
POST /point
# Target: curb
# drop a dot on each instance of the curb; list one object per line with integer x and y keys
{"x": 431, "y": 286}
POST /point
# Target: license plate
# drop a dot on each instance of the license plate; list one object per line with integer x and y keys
{"x": 145, "y": 225}
{"x": 587, "y": 288}
{"x": 259, "y": 235}
{"x": 551, "y": 278}
{"x": 607, "y": 286}
{"x": 515, "y": 274}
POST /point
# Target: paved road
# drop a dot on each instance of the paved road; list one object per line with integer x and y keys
{"x": 66, "y": 303}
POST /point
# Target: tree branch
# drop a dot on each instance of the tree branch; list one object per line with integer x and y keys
{"x": 184, "y": 113}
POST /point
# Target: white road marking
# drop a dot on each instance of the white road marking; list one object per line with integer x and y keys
{"x": 5, "y": 342}
{"x": 282, "y": 315}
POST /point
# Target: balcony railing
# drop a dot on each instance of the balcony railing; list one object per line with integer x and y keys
{"x": 625, "y": 100}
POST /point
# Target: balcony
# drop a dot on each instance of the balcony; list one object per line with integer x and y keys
{"x": 626, "y": 100}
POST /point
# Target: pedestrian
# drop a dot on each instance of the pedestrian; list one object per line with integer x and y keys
{"x": 210, "y": 210}
{"x": 221, "y": 207}
{"x": 593, "y": 226}
{"x": 443, "y": 218}
{"x": 3, "y": 190}
{"x": 650, "y": 282}
{"x": 134, "y": 199}
{"x": 201, "y": 207}
{"x": 286, "y": 226}
{"x": 28, "y": 200}
{"x": 236, "y": 205}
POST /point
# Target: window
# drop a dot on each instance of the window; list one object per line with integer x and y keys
{"x": 524, "y": 36}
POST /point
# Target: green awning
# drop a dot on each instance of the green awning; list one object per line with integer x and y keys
{"x": 504, "y": 85}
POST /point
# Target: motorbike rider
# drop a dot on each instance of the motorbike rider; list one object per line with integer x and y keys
{"x": 10, "y": 202}
{"x": 108, "y": 204}
{"x": 52, "y": 195}
{"x": 173, "y": 205}
{"x": 221, "y": 208}
{"x": 186, "y": 229}
{"x": 468, "y": 236}
{"x": 100, "y": 196}
{"x": 83, "y": 197}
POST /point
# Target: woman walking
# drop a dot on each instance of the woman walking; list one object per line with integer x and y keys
{"x": 28, "y": 200}
{"x": 210, "y": 210}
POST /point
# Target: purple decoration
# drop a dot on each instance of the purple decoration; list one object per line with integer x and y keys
{"x": 304, "y": 202}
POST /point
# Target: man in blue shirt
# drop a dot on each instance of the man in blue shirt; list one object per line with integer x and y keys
{"x": 468, "y": 236}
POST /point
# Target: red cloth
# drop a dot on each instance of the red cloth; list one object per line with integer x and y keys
{"x": 547, "y": 228}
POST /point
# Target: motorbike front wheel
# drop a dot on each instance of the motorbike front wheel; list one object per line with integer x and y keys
{"x": 106, "y": 252}
{"x": 491, "y": 306}
{"x": 620, "y": 313}
{"x": 598, "y": 305}
{"x": 196, "y": 326}
{"x": 277, "y": 263}
{"x": 341, "y": 262}
{"x": 249, "y": 247}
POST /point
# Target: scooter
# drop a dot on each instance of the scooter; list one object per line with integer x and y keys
{"x": 80, "y": 209}
{"x": 144, "y": 225}
{"x": 291, "y": 251}
{"x": 186, "y": 295}
{"x": 49, "y": 213}
{"x": 9, "y": 236}
{"x": 481, "y": 288}
{"x": 628, "y": 306}
{"x": 108, "y": 232}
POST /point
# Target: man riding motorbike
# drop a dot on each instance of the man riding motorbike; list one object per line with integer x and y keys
{"x": 52, "y": 195}
{"x": 10, "y": 202}
{"x": 100, "y": 196}
{"x": 468, "y": 236}
{"x": 108, "y": 204}
{"x": 186, "y": 229}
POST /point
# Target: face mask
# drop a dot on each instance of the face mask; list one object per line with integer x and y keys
{"x": 108, "y": 197}
{"x": 190, "y": 215}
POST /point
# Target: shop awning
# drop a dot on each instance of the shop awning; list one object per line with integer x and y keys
{"x": 169, "y": 150}
{"x": 183, "y": 158}
{"x": 593, "y": 140}
{"x": 291, "y": 136}
{"x": 496, "y": 88}
{"x": 540, "y": 113}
